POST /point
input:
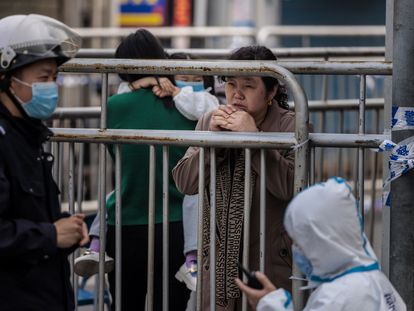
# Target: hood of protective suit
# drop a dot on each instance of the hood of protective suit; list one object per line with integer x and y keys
{"x": 324, "y": 221}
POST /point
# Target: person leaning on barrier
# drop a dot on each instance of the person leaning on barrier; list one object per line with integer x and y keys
{"x": 141, "y": 109}
{"x": 253, "y": 104}
{"x": 332, "y": 251}
{"x": 35, "y": 237}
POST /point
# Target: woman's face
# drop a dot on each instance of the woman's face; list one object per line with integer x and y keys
{"x": 248, "y": 94}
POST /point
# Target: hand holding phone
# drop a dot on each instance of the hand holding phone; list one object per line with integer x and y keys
{"x": 251, "y": 278}
{"x": 257, "y": 289}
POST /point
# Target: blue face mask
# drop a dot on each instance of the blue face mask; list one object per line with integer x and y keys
{"x": 303, "y": 263}
{"x": 197, "y": 86}
{"x": 44, "y": 99}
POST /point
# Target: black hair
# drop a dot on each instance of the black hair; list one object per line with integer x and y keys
{"x": 139, "y": 45}
{"x": 207, "y": 80}
{"x": 259, "y": 52}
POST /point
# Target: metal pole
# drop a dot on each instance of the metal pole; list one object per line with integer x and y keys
{"x": 341, "y": 130}
{"x": 151, "y": 232}
{"x": 71, "y": 199}
{"x": 55, "y": 152}
{"x": 212, "y": 229}
{"x": 386, "y": 213}
{"x": 312, "y": 166}
{"x": 60, "y": 165}
{"x": 402, "y": 194}
{"x": 262, "y": 209}
{"x": 118, "y": 230}
{"x": 201, "y": 189}
{"x": 246, "y": 222}
{"x": 165, "y": 228}
{"x": 102, "y": 231}
{"x": 102, "y": 197}
{"x": 200, "y": 12}
{"x": 361, "y": 151}
{"x": 321, "y": 150}
{"x": 80, "y": 182}
{"x": 374, "y": 173}
{"x": 301, "y": 174}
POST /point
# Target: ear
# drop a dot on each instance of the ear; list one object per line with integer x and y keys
{"x": 12, "y": 84}
{"x": 270, "y": 95}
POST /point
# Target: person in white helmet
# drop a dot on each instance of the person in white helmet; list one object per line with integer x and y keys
{"x": 332, "y": 251}
{"x": 35, "y": 237}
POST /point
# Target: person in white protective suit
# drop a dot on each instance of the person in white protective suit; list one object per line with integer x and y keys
{"x": 332, "y": 251}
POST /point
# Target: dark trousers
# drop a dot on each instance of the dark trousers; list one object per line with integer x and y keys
{"x": 134, "y": 267}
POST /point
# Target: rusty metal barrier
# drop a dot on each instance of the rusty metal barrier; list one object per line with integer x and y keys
{"x": 264, "y": 140}
{"x": 299, "y": 139}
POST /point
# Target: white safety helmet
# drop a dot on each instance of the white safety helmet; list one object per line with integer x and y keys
{"x": 26, "y": 39}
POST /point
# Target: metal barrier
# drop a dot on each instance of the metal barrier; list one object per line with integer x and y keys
{"x": 280, "y": 141}
{"x": 331, "y": 116}
{"x": 310, "y": 52}
{"x": 168, "y": 32}
{"x": 168, "y": 67}
{"x": 107, "y": 36}
{"x": 260, "y": 35}
{"x": 265, "y": 140}
{"x": 306, "y": 32}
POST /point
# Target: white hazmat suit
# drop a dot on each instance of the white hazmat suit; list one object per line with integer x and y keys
{"x": 326, "y": 227}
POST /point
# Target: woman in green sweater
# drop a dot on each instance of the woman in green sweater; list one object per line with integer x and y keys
{"x": 141, "y": 109}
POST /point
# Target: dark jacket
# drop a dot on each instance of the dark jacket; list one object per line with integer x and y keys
{"x": 34, "y": 273}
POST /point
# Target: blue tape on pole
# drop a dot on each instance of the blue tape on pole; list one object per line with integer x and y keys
{"x": 402, "y": 118}
{"x": 386, "y": 198}
{"x": 401, "y": 159}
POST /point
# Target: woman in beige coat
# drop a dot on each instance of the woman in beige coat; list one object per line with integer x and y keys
{"x": 254, "y": 104}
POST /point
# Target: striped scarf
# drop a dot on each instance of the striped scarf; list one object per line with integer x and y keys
{"x": 229, "y": 225}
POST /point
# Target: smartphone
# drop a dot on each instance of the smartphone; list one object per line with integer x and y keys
{"x": 251, "y": 278}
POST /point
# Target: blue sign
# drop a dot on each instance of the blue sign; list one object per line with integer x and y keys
{"x": 134, "y": 13}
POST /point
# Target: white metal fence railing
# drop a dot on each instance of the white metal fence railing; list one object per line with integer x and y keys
{"x": 256, "y": 35}
{"x": 300, "y": 138}
{"x": 325, "y": 53}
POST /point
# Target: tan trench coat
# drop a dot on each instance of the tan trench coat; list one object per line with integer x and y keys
{"x": 279, "y": 181}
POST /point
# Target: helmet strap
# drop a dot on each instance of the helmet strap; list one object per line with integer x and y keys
{"x": 5, "y": 84}
{"x": 16, "y": 103}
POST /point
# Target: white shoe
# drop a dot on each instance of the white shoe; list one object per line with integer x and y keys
{"x": 188, "y": 276}
{"x": 88, "y": 264}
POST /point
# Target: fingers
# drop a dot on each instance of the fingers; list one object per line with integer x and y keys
{"x": 79, "y": 229}
{"x": 160, "y": 91}
{"x": 80, "y": 216}
{"x": 85, "y": 236}
{"x": 75, "y": 225}
{"x": 218, "y": 121}
{"x": 243, "y": 287}
{"x": 167, "y": 85}
{"x": 241, "y": 121}
{"x": 227, "y": 109}
{"x": 156, "y": 90}
{"x": 265, "y": 281}
{"x": 252, "y": 295}
{"x": 219, "y": 113}
{"x": 77, "y": 220}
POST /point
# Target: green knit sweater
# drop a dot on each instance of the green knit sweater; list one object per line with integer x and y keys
{"x": 143, "y": 110}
